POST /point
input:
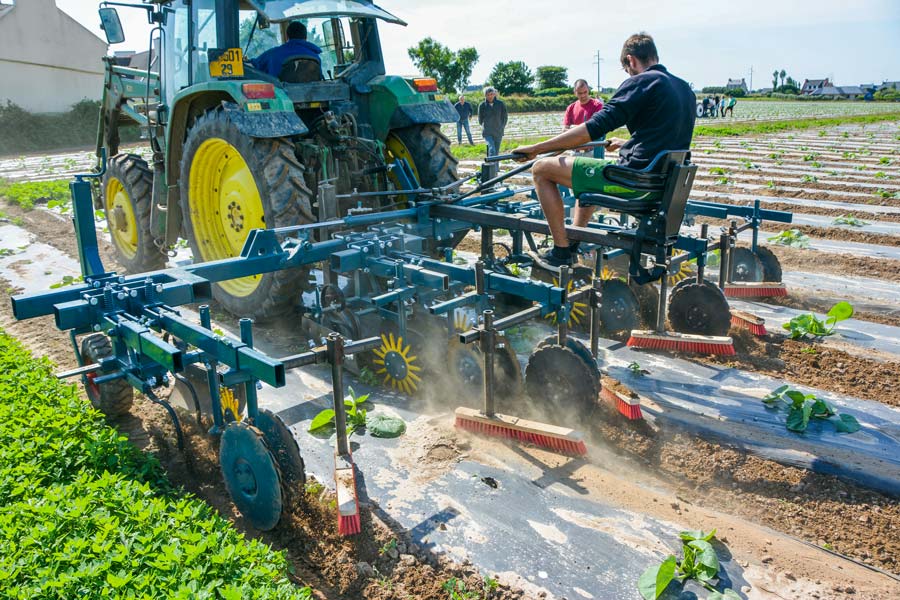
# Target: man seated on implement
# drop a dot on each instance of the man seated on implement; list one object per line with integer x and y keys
{"x": 657, "y": 108}
{"x": 272, "y": 60}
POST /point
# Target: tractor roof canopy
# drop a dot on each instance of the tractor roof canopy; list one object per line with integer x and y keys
{"x": 277, "y": 11}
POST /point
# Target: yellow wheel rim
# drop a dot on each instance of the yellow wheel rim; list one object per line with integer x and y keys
{"x": 120, "y": 218}
{"x": 578, "y": 310}
{"x": 231, "y": 410}
{"x": 225, "y": 206}
{"x": 396, "y": 364}
{"x": 395, "y": 148}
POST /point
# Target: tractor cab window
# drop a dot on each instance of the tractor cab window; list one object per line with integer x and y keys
{"x": 254, "y": 40}
{"x": 206, "y": 36}
{"x": 177, "y": 56}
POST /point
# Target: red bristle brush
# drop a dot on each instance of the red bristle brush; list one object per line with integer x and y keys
{"x": 558, "y": 439}
{"x": 347, "y": 502}
{"x": 628, "y": 406}
{"x": 763, "y": 289}
{"x": 752, "y": 323}
{"x": 684, "y": 342}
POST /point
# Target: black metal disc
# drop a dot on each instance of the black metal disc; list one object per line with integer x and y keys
{"x": 699, "y": 309}
{"x": 283, "y": 446}
{"x": 745, "y": 266}
{"x": 770, "y": 265}
{"x": 466, "y": 366}
{"x": 251, "y": 475}
{"x": 619, "y": 307}
{"x": 580, "y": 350}
{"x": 561, "y": 385}
{"x": 648, "y": 299}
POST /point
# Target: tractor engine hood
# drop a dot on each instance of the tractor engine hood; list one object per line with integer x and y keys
{"x": 277, "y": 11}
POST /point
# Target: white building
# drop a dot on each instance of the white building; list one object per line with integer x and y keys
{"x": 48, "y": 61}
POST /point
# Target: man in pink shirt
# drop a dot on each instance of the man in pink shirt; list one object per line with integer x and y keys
{"x": 581, "y": 110}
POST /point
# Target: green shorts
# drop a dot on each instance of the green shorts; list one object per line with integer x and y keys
{"x": 587, "y": 176}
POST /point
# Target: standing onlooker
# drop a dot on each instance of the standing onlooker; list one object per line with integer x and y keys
{"x": 464, "y": 110}
{"x": 729, "y": 108}
{"x": 715, "y": 106}
{"x": 581, "y": 110}
{"x": 705, "y": 106}
{"x": 492, "y": 117}
{"x": 722, "y": 107}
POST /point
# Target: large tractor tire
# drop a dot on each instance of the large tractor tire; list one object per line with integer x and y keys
{"x": 230, "y": 185}
{"x": 127, "y": 198}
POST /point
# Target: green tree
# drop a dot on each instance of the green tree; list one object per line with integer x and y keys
{"x": 782, "y": 75}
{"x": 550, "y": 76}
{"x": 513, "y": 77}
{"x": 775, "y": 80}
{"x": 451, "y": 69}
{"x": 263, "y": 39}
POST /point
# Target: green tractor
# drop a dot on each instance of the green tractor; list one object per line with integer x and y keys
{"x": 235, "y": 148}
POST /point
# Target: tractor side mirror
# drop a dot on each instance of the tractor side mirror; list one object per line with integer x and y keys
{"x": 111, "y": 26}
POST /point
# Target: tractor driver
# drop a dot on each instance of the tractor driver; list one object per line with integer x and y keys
{"x": 272, "y": 60}
{"x": 657, "y": 108}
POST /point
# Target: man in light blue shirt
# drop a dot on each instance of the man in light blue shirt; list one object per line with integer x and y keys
{"x": 272, "y": 60}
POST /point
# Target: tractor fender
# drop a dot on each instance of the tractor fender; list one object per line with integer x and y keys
{"x": 426, "y": 112}
{"x": 267, "y": 124}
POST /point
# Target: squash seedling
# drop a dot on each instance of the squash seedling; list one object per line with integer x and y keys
{"x": 810, "y": 325}
{"x": 803, "y": 407}
{"x": 700, "y": 562}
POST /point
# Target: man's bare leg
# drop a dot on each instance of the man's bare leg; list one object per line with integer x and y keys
{"x": 548, "y": 173}
{"x": 583, "y": 214}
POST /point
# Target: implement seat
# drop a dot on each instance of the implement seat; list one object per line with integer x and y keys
{"x": 300, "y": 69}
{"x": 669, "y": 178}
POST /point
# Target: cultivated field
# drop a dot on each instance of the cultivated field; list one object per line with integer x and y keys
{"x": 812, "y": 515}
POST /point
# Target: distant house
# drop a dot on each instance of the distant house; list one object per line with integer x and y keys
{"x": 889, "y": 85}
{"x": 736, "y": 84}
{"x": 764, "y": 90}
{"x": 48, "y": 61}
{"x": 868, "y": 87}
{"x": 811, "y": 85}
{"x": 844, "y": 91}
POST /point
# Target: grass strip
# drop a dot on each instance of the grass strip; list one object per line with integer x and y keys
{"x": 478, "y": 151}
{"x": 84, "y": 514}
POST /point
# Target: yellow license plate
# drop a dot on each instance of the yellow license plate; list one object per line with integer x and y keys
{"x": 230, "y": 63}
{"x": 438, "y": 97}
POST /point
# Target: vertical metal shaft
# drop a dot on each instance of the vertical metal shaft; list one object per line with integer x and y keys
{"x": 487, "y": 243}
{"x": 335, "y": 348}
{"x": 701, "y": 260}
{"x": 661, "y": 307}
{"x": 205, "y": 320}
{"x": 596, "y": 298}
{"x": 250, "y": 386}
{"x": 479, "y": 278}
{"x": 562, "y": 323}
{"x": 212, "y": 378}
{"x": 756, "y": 222}
{"x": 732, "y": 242}
{"x": 723, "y": 260}
{"x": 487, "y": 351}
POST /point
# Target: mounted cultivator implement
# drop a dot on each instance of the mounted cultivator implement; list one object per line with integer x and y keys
{"x": 390, "y": 298}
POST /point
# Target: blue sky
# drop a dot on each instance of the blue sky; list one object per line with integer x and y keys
{"x": 705, "y": 42}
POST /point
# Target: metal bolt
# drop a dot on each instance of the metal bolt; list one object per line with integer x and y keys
{"x": 259, "y": 385}
{"x": 121, "y": 296}
{"x": 165, "y": 379}
{"x": 159, "y": 288}
{"x": 133, "y": 293}
{"x": 365, "y": 249}
{"x": 96, "y": 328}
{"x": 152, "y": 382}
{"x": 121, "y": 280}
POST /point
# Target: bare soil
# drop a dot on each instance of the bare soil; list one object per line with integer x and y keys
{"x": 823, "y": 305}
{"x": 811, "y": 210}
{"x": 799, "y": 259}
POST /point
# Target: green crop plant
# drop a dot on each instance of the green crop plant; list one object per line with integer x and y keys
{"x": 356, "y": 416}
{"x": 719, "y": 171}
{"x": 810, "y": 325}
{"x": 809, "y": 179}
{"x": 860, "y": 167}
{"x": 803, "y": 407}
{"x": 848, "y": 155}
{"x": 886, "y": 194}
{"x": 66, "y": 281}
{"x": 723, "y": 181}
{"x": 850, "y": 220}
{"x": 27, "y": 194}
{"x": 749, "y": 164}
{"x": 388, "y": 546}
{"x": 636, "y": 369}
{"x": 776, "y": 155}
{"x": 85, "y": 514}
{"x": 815, "y": 164}
{"x": 822, "y": 133}
{"x": 368, "y": 376}
{"x": 792, "y": 238}
{"x": 771, "y": 184}
{"x": 810, "y": 350}
{"x": 699, "y": 562}
{"x": 882, "y": 175}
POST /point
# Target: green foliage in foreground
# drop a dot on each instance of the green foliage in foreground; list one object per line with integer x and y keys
{"x": 27, "y": 193}
{"x": 84, "y": 514}
{"x": 803, "y": 407}
{"x": 700, "y": 562}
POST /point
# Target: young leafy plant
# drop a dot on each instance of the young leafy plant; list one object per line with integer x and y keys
{"x": 803, "y": 407}
{"x": 849, "y": 220}
{"x": 809, "y": 324}
{"x": 809, "y": 179}
{"x": 700, "y": 562}
{"x": 791, "y": 237}
{"x": 356, "y": 416}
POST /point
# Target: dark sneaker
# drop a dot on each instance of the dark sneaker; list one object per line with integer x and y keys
{"x": 552, "y": 259}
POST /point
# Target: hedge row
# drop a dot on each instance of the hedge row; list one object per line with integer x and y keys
{"x": 84, "y": 514}
{"x": 23, "y": 131}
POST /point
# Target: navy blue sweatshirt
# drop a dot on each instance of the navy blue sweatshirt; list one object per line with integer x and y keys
{"x": 657, "y": 108}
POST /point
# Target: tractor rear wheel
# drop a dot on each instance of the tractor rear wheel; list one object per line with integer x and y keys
{"x": 771, "y": 267}
{"x": 127, "y": 198}
{"x": 230, "y": 185}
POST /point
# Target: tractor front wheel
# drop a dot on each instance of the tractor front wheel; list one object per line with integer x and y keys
{"x": 127, "y": 197}
{"x": 230, "y": 185}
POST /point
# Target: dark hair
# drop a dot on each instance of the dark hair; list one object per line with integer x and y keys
{"x": 641, "y": 46}
{"x": 296, "y": 31}
{"x": 579, "y": 82}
